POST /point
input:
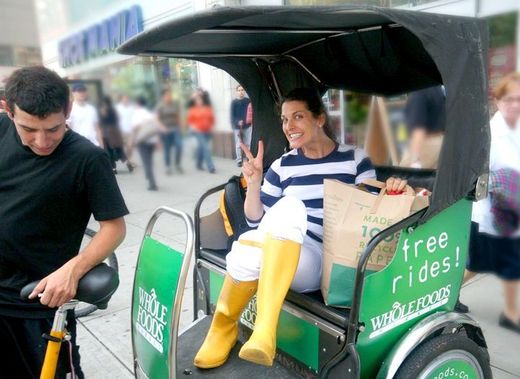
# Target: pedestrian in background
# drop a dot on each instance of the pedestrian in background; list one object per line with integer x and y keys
{"x": 491, "y": 250}
{"x": 425, "y": 115}
{"x": 125, "y": 110}
{"x": 111, "y": 134}
{"x": 83, "y": 117}
{"x": 241, "y": 129}
{"x": 145, "y": 137}
{"x": 169, "y": 116}
{"x": 201, "y": 120}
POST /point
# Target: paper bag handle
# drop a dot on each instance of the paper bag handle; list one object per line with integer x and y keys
{"x": 379, "y": 198}
{"x": 377, "y": 184}
{"x": 374, "y": 183}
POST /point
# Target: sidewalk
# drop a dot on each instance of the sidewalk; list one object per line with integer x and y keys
{"x": 104, "y": 336}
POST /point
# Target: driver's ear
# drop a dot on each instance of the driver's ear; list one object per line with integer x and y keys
{"x": 6, "y": 108}
{"x": 69, "y": 108}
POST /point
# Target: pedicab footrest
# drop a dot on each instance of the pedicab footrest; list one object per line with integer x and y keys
{"x": 96, "y": 287}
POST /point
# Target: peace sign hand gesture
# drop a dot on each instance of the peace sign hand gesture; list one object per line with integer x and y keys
{"x": 252, "y": 169}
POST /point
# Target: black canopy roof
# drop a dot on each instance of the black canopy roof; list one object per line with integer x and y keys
{"x": 271, "y": 50}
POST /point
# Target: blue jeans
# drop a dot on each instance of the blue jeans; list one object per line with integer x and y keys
{"x": 172, "y": 139}
{"x": 203, "y": 152}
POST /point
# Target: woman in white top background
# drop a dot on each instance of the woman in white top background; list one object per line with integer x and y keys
{"x": 491, "y": 251}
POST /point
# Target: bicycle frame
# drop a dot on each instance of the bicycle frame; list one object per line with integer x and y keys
{"x": 57, "y": 335}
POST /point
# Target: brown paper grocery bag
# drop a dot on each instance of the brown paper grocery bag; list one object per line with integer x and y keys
{"x": 352, "y": 216}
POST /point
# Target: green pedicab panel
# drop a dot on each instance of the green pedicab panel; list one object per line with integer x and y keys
{"x": 424, "y": 277}
{"x": 156, "y": 281}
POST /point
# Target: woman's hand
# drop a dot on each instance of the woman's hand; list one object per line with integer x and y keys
{"x": 252, "y": 169}
{"x": 395, "y": 186}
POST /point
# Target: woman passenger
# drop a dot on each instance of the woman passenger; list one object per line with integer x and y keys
{"x": 286, "y": 249}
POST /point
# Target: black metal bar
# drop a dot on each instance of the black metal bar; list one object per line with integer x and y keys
{"x": 196, "y": 272}
{"x": 359, "y": 281}
{"x": 346, "y": 350}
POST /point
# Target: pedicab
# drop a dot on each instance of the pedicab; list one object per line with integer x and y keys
{"x": 401, "y": 323}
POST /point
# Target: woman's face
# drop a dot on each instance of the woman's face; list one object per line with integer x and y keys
{"x": 299, "y": 124}
{"x": 198, "y": 100}
{"x": 509, "y": 104}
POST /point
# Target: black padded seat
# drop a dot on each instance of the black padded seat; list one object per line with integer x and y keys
{"x": 217, "y": 257}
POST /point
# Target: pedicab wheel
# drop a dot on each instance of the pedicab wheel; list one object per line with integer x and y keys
{"x": 84, "y": 309}
{"x": 447, "y": 356}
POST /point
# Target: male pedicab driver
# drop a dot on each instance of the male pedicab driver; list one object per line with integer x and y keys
{"x": 51, "y": 181}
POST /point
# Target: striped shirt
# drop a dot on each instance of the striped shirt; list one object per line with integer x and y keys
{"x": 295, "y": 175}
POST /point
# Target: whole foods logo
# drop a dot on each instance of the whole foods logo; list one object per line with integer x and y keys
{"x": 401, "y": 313}
{"x": 248, "y": 316}
{"x": 151, "y": 318}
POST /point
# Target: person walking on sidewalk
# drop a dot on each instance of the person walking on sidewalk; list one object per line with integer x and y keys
{"x": 201, "y": 120}
{"x": 492, "y": 250}
{"x": 125, "y": 110}
{"x": 112, "y": 136}
{"x": 145, "y": 136}
{"x": 51, "y": 181}
{"x": 169, "y": 115}
{"x": 83, "y": 118}
{"x": 241, "y": 128}
{"x": 425, "y": 115}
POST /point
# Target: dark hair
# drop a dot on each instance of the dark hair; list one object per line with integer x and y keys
{"x": 107, "y": 109}
{"x": 107, "y": 101}
{"x": 141, "y": 101}
{"x": 79, "y": 87}
{"x": 312, "y": 98}
{"x": 37, "y": 91}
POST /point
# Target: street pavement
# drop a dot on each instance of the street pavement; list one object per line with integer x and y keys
{"x": 104, "y": 336}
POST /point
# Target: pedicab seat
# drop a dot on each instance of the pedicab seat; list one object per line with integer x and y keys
{"x": 214, "y": 246}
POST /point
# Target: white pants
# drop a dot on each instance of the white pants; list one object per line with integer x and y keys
{"x": 286, "y": 219}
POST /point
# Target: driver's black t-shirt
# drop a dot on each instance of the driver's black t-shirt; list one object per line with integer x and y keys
{"x": 45, "y": 205}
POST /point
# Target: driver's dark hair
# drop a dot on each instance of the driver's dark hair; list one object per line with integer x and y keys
{"x": 37, "y": 91}
{"x": 312, "y": 98}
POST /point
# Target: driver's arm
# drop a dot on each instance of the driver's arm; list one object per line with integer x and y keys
{"x": 61, "y": 285}
{"x": 111, "y": 233}
{"x": 417, "y": 138}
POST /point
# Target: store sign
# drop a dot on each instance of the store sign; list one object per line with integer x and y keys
{"x": 101, "y": 39}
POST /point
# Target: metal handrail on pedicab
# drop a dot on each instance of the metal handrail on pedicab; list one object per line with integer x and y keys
{"x": 189, "y": 247}
{"x": 352, "y": 322}
{"x": 196, "y": 271}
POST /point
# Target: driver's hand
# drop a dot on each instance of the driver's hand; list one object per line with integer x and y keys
{"x": 57, "y": 288}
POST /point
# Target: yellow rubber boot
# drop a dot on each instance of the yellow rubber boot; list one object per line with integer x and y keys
{"x": 279, "y": 262}
{"x": 223, "y": 332}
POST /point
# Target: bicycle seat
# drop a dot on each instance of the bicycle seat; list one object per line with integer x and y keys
{"x": 96, "y": 287}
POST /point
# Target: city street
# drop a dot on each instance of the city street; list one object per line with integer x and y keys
{"x": 104, "y": 336}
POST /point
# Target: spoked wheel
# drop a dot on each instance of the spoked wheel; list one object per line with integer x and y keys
{"x": 83, "y": 309}
{"x": 447, "y": 356}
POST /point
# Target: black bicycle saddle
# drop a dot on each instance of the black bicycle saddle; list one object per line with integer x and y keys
{"x": 96, "y": 287}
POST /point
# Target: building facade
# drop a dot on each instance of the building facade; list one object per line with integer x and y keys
{"x": 18, "y": 46}
{"x": 79, "y": 42}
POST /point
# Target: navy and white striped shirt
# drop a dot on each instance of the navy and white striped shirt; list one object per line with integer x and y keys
{"x": 295, "y": 175}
